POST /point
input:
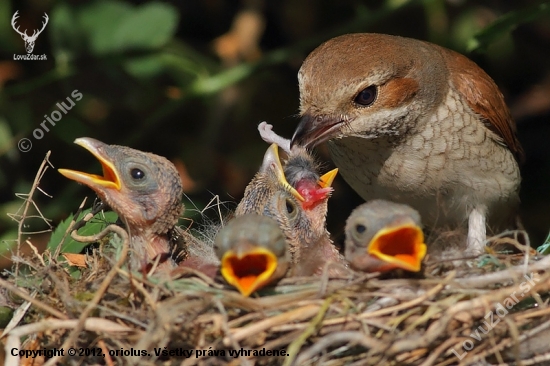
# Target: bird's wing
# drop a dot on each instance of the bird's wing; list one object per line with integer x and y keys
{"x": 479, "y": 91}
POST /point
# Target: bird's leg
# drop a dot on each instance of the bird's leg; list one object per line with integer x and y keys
{"x": 477, "y": 230}
{"x": 267, "y": 134}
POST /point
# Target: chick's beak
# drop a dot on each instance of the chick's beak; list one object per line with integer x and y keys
{"x": 400, "y": 247}
{"x": 326, "y": 180}
{"x": 249, "y": 271}
{"x": 280, "y": 173}
{"x": 315, "y": 192}
{"x": 109, "y": 179}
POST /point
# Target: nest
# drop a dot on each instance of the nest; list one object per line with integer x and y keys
{"x": 495, "y": 313}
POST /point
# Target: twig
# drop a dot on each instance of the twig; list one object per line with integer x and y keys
{"x": 35, "y": 302}
{"x": 104, "y": 285}
{"x": 28, "y": 200}
{"x": 295, "y": 346}
{"x": 298, "y": 314}
{"x": 337, "y": 338}
{"x": 411, "y": 303}
{"x": 226, "y": 330}
{"x": 103, "y": 346}
{"x": 90, "y": 324}
{"x": 75, "y": 226}
{"x": 139, "y": 286}
{"x": 504, "y": 275}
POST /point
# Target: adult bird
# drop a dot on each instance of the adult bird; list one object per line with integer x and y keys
{"x": 253, "y": 252}
{"x": 145, "y": 191}
{"x": 299, "y": 205}
{"x": 383, "y": 235}
{"x": 413, "y": 122}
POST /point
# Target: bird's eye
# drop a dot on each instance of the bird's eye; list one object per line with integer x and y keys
{"x": 137, "y": 173}
{"x": 366, "y": 96}
{"x": 290, "y": 207}
{"x": 360, "y": 228}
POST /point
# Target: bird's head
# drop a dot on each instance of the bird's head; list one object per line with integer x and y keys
{"x": 383, "y": 235}
{"x": 253, "y": 252}
{"x": 298, "y": 202}
{"x": 144, "y": 189}
{"x": 367, "y": 85}
{"x": 302, "y": 173}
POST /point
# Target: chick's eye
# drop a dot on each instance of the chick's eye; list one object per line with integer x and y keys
{"x": 290, "y": 208}
{"x": 137, "y": 173}
{"x": 360, "y": 228}
{"x": 366, "y": 96}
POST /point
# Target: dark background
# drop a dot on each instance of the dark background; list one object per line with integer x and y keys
{"x": 190, "y": 80}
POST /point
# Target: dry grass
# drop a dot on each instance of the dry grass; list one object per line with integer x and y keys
{"x": 448, "y": 317}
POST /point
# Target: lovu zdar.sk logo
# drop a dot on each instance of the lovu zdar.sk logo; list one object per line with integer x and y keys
{"x": 29, "y": 40}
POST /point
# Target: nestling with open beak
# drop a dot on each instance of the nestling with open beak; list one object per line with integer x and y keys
{"x": 145, "y": 191}
{"x": 383, "y": 235}
{"x": 299, "y": 205}
{"x": 253, "y": 252}
{"x": 415, "y": 123}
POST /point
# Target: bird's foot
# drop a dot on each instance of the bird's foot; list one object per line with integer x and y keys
{"x": 476, "y": 231}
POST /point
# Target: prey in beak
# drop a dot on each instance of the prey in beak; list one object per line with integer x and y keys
{"x": 300, "y": 170}
{"x": 253, "y": 253}
{"x": 383, "y": 235}
{"x": 295, "y": 195}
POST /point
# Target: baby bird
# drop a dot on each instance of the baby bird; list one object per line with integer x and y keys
{"x": 253, "y": 252}
{"x": 145, "y": 191}
{"x": 296, "y": 197}
{"x": 383, "y": 235}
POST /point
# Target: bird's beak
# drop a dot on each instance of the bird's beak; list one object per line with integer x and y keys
{"x": 313, "y": 130}
{"x": 326, "y": 180}
{"x": 400, "y": 247}
{"x": 275, "y": 161}
{"x": 249, "y": 270}
{"x": 110, "y": 177}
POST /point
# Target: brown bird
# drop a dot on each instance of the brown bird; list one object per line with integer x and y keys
{"x": 300, "y": 215}
{"x": 145, "y": 191}
{"x": 383, "y": 235}
{"x": 253, "y": 252}
{"x": 415, "y": 123}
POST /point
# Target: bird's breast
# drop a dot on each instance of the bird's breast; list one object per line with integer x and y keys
{"x": 449, "y": 162}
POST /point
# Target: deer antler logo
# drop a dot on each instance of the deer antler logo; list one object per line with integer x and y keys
{"x": 29, "y": 40}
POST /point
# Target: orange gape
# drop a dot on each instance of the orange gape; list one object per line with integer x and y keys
{"x": 383, "y": 235}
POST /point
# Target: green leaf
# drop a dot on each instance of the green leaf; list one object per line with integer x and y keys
{"x": 115, "y": 27}
{"x": 150, "y": 26}
{"x": 545, "y": 248}
{"x": 145, "y": 66}
{"x": 65, "y": 33}
{"x": 94, "y": 226}
{"x": 100, "y": 21}
{"x": 506, "y": 24}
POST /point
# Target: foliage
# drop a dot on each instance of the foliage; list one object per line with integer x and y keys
{"x": 178, "y": 79}
{"x": 61, "y": 235}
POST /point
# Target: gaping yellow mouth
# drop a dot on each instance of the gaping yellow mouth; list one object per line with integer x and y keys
{"x": 400, "y": 247}
{"x": 109, "y": 179}
{"x": 250, "y": 271}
